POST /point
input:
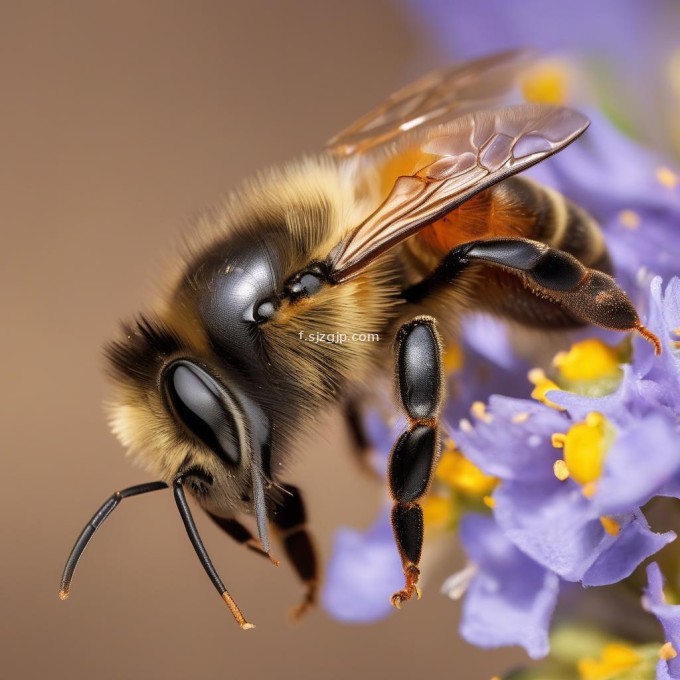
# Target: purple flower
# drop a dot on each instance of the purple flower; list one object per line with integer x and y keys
{"x": 586, "y": 525}
{"x": 510, "y": 599}
{"x": 651, "y": 384}
{"x": 654, "y": 601}
{"x": 629, "y": 48}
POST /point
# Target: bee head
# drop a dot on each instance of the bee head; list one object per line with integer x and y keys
{"x": 219, "y": 382}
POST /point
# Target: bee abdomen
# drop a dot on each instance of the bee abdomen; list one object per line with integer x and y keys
{"x": 560, "y": 223}
{"x": 516, "y": 207}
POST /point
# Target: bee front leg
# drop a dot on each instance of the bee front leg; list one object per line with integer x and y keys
{"x": 420, "y": 387}
{"x": 234, "y": 529}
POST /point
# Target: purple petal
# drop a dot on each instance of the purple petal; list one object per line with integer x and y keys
{"x": 513, "y": 450}
{"x": 640, "y": 462}
{"x": 553, "y": 523}
{"x": 364, "y": 571}
{"x": 511, "y": 600}
{"x": 663, "y": 672}
{"x": 635, "y": 543}
{"x": 668, "y": 615}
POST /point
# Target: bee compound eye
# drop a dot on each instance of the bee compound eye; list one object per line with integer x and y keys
{"x": 199, "y": 403}
{"x": 265, "y": 310}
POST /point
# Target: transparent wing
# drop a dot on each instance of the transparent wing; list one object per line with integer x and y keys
{"x": 463, "y": 158}
{"x": 435, "y": 98}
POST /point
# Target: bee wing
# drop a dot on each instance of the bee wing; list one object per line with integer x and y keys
{"x": 463, "y": 158}
{"x": 437, "y": 97}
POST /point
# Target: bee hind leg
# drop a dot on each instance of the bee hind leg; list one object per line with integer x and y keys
{"x": 420, "y": 387}
{"x": 589, "y": 295}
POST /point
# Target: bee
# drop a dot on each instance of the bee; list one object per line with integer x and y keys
{"x": 412, "y": 217}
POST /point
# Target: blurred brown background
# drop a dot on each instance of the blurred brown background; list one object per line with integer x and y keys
{"x": 119, "y": 122}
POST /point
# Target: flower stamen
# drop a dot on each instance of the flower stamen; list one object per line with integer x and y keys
{"x": 629, "y": 219}
{"x": 611, "y": 526}
{"x": 667, "y": 177}
{"x": 456, "y": 584}
{"x": 589, "y": 490}
{"x": 561, "y": 470}
{"x": 542, "y": 385}
{"x": 478, "y": 410}
{"x": 558, "y": 440}
{"x": 667, "y": 652}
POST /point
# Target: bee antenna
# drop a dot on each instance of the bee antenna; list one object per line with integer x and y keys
{"x": 203, "y": 557}
{"x": 88, "y": 532}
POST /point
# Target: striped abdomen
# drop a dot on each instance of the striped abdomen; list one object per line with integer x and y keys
{"x": 515, "y": 207}
{"x": 518, "y": 207}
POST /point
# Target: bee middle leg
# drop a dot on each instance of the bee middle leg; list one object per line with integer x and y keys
{"x": 289, "y": 519}
{"x": 361, "y": 447}
{"x": 420, "y": 387}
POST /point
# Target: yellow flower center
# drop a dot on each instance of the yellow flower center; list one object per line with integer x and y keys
{"x": 616, "y": 657}
{"x": 460, "y": 474}
{"x": 546, "y": 83}
{"x": 438, "y": 512}
{"x": 590, "y": 359}
{"x": 585, "y": 447}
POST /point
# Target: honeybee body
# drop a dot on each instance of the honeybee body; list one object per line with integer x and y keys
{"x": 414, "y": 209}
